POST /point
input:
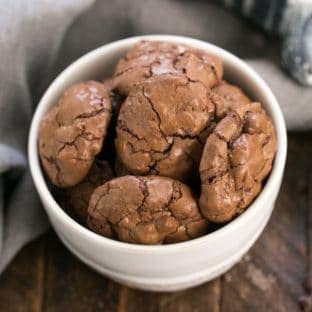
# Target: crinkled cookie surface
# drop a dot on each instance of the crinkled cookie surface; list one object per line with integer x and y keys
{"x": 145, "y": 210}
{"x": 150, "y": 58}
{"x": 76, "y": 198}
{"x": 72, "y": 133}
{"x": 237, "y": 157}
{"x": 160, "y": 124}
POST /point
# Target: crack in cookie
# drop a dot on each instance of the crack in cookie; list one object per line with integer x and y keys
{"x": 160, "y": 126}
{"x": 237, "y": 157}
{"x": 150, "y": 58}
{"x": 146, "y": 210}
{"x": 72, "y": 133}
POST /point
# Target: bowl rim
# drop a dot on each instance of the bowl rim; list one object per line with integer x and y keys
{"x": 274, "y": 177}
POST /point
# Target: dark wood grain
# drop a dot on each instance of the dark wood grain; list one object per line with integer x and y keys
{"x": 72, "y": 286}
{"x": 197, "y": 299}
{"x": 46, "y": 277}
{"x": 306, "y": 300}
{"x": 21, "y": 285}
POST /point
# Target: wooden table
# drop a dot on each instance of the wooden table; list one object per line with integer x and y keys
{"x": 46, "y": 277}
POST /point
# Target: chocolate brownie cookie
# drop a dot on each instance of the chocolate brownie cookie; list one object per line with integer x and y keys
{"x": 149, "y": 58}
{"x": 120, "y": 169}
{"x": 226, "y": 98}
{"x": 145, "y": 210}
{"x": 160, "y": 125}
{"x": 237, "y": 157}
{"x": 76, "y": 198}
{"x": 72, "y": 133}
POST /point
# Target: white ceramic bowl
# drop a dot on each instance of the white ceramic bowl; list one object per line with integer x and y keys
{"x": 168, "y": 267}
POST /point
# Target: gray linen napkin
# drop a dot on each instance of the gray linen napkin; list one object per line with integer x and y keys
{"x": 39, "y": 38}
{"x": 31, "y": 33}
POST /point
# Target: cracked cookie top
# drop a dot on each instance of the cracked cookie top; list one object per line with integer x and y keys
{"x": 226, "y": 98}
{"x": 145, "y": 210}
{"x": 76, "y": 198}
{"x": 237, "y": 157}
{"x": 72, "y": 132}
{"x": 149, "y": 58}
{"x": 160, "y": 125}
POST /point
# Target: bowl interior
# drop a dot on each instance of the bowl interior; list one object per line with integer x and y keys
{"x": 99, "y": 64}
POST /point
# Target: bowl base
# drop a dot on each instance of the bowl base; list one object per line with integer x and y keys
{"x": 169, "y": 284}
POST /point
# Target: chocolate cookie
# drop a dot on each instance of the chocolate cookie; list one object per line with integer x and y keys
{"x": 149, "y": 58}
{"x": 72, "y": 133}
{"x": 160, "y": 125}
{"x": 120, "y": 169}
{"x": 76, "y": 198}
{"x": 145, "y": 210}
{"x": 226, "y": 98}
{"x": 237, "y": 157}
